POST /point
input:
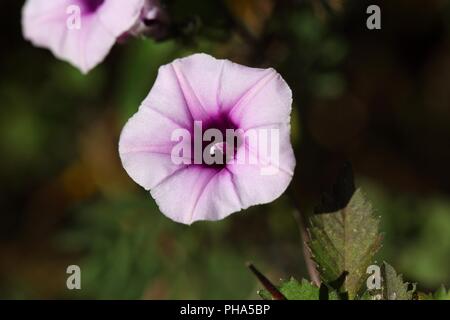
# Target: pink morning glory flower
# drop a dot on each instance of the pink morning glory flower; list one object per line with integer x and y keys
{"x": 81, "y": 32}
{"x": 211, "y": 138}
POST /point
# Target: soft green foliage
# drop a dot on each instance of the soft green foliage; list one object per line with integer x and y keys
{"x": 441, "y": 294}
{"x": 393, "y": 287}
{"x": 416, "y": 234}
{"x": 131, "y": 251}
{"x": 345, "y": 241}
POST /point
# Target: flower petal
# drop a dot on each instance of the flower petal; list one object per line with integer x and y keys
{"x": 267, "y": 102}
{"x": 260, "y": 180}
{"x": 166, "y": 98}
{"x": 212, "y": 86}
{"x": 196, "y": 193}
{"x": 44, "y": 23}
{"x": 145, "y": 147}
{"x": 118, "y": 17}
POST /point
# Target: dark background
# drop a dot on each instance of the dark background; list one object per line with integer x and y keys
{"x": 379, "y": 99}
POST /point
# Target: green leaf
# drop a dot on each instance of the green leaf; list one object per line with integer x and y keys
{"x": 345, "y": 241}
{"x": 393, "y": 287}
{"x": 295, "y": 290}
{"x": 367, "y": 296}
{"x": 265, "y": 295}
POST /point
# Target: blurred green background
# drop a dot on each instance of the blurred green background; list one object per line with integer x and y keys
{"x": 379, "y": 99}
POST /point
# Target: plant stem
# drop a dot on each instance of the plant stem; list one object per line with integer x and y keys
{"x": 310, "y": 264}
{"x": 276, "y": 294}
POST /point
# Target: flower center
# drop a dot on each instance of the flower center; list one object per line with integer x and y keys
{"x": 91, "y": 6}
{"x": 223, "y": 146}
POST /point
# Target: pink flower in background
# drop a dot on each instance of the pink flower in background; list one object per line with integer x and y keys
{"x": 221, "y": 95}
{"x": 81, "y": 32}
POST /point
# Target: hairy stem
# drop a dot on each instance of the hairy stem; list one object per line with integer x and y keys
{"x": 310, "y": 264}
{"x": 301, "y": 220}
